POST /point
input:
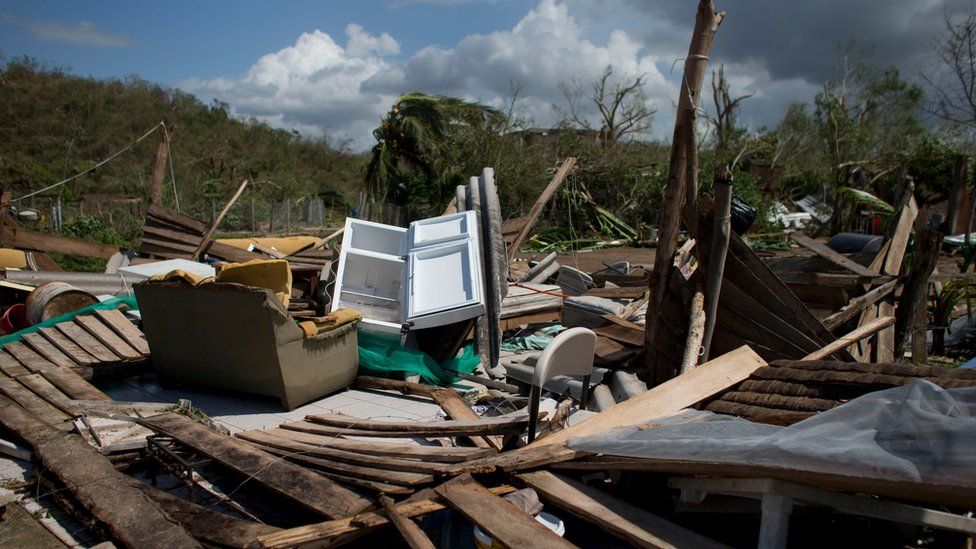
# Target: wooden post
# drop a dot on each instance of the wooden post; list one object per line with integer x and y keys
{"x": 706, "y": 23}
{"x": 159, "y": 171}
{"x": 720, "y": 248}
{"x": 928, "y": 244}
{"x": 696, "y": 332}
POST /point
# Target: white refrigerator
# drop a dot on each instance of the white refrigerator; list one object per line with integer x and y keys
{"x": 426, "y": 275}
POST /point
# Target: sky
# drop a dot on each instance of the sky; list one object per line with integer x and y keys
{"x": 334, "y": 68}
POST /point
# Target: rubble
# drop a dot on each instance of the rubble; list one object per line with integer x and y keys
{"x": 440, "y": 378}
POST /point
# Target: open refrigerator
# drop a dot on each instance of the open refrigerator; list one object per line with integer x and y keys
{"x": 426, "y": 275}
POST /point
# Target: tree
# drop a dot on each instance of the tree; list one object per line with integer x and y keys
{"x": 725, "y": 120}
{"x": 411, "y": 138}
{"x": 952, "y": 78}
{"x": 867, "y": 122}
{"x": 622, "y": 107}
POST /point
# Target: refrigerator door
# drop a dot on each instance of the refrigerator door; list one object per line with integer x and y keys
{"x": 444, "y": 271}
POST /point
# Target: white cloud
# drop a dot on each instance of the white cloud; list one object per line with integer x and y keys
{"x": 362, "y": 43}
{"x": 317, "y": 83}
{"x": 312, "y": 86}
{"x": 82, "y": 33}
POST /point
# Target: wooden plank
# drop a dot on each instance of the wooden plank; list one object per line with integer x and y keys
{"x": 858, "y": 334}
{"x": 43, "y": 347}
{"x": 28, "y": 358}
{"x": 44, "y": 389}
{"x": 163, "y": 234}
{"x": 858, "y": 304}
{"x": 300, "y": 485}
{"x": 9, "y": 365}
{"x": 623, "y": 334}
{"x": 457, "y": 409}
{"x": 422, "y": 503}
{"x": 87, "y": 342}
{"x": 23, "y": 239}
{"x": 830, "y": 255}
{"x": 411, "y": 533}
{"x": 220, "y": 217}
{"x": 66, "y": 346}
{"x": 505, "y": 522}
{"x": 174, "y": 217}
{"x": 441, "y": 454}
{"x": 114, "y": 319}
{"x": 148, "y": 243}
{"x": 73, "y": 385}
{"x": 34, "y": 404}
{"x": 107, "y": 337}
{"x": 265, "y": 438}
{"x": 128, "y": 516}
{"x": 540, "y": 203}
{"x": 635, "y": 292}
{"x": 451, "y": 427}
{"x": 667, "y": 398}
{"x": 628, "y": 522}
{"x": 372, "y": 474}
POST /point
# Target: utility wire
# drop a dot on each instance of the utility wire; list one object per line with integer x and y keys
{"x": 93, "y": 168}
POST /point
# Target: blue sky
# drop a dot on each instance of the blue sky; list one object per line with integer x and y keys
{"x": 335, "y": 67}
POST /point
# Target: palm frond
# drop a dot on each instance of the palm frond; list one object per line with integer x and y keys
{"x": 864, "y": 198}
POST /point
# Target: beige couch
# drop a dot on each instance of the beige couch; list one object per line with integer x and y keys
{"x": 241, "y": 338}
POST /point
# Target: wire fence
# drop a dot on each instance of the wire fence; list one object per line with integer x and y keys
{"x": 249, "y": 215}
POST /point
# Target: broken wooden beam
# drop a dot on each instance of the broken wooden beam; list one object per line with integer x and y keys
{"x": 830, "y": 255}
{"x": 298, "y": 484}
{"x": 540, "y": 203}
{"x": 130, "y": 518}
{"x": 862, "y": 332}
{"x": 505, "y": 522}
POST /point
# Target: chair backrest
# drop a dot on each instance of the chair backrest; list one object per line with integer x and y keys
{"x": 569, "y": 353}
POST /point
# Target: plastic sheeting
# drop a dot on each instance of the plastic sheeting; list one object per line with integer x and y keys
{"x": 385, "y": 357}
{"x": 917, "y": 432}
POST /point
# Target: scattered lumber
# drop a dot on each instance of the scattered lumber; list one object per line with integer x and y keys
{"x": 505, "y": 522}
{"x": 540, "y": 203}
{"x": 421, "y": 503}
{"x": 858, "y": 334}
{"x": 309, "y": 490}
{"x": 208, "y": 235}
{"x": 368, "y": 477}
{"x": 412, "y": 534}
{"x": 628, "y": 522}
{"x": 127, "y": 514}
{"x": 341, "y": 424}
{"x": 928, "y": 245}
{"x": 438, "y": 454}
{"x": 859, "y": 304}
{"x": 830, "y": 255}
{"x": 389, "y": 463}
{"x": 668, "y": 398}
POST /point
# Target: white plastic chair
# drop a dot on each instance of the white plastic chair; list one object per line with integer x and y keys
{"x": 569, "y": 353}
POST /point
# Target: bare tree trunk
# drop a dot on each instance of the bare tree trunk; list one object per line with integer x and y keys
{"x": 706, "y": 23}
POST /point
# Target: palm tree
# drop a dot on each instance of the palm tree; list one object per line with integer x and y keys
{"x": 412, "y": 135}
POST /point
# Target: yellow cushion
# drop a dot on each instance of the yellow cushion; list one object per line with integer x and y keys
{"x": 330, "y": 322}
{"x": 180, "y": 274}
{"x": 12, "y": 259}
{"x": 284, "y": 244}
{"x": 272, "y": 274}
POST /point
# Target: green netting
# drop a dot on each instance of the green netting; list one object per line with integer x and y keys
{"x": 113, "y": 303}
{"x": 384, "y": 356}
